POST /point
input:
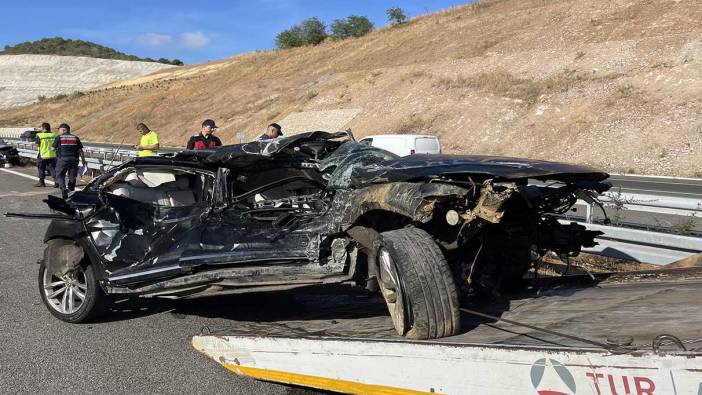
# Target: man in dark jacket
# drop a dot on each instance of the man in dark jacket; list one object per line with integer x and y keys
{"x": 205, "y": 139}
{"x": 273, "y": 132}
{"x": 68, "y": 148}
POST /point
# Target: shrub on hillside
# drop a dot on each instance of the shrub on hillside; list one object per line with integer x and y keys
{"x": 290, "y": 38}
{"x": 352, "y": 26}
{"x": 313, "y": 31}
{"x": 396, "y": 16}
{"x": 61, "y": 46}
{"x": 310, "y": 32}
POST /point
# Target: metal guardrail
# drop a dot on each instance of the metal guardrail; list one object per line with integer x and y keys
{"x": 641, "y": 245}
{"x": 97, "y": 158}
{"x": 617, "y": 242}
{"x": 648, "y": 203}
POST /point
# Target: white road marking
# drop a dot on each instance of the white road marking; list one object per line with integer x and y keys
{"x": 35, "y": 178}
{"x": 31, "y": 193}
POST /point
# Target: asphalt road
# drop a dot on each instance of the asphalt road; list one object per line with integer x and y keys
{"x": 142, "y": 346}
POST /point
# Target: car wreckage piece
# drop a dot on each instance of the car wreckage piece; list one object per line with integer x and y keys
{"x": 8, "y": 154}
{"x": 314, "y": 209}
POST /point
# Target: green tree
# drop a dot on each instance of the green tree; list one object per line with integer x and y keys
{"x": 352, "y": 26}
{"x": 310, "y": 32}
{"x": 289, "y": 38}
{"x": 359, "y": 25}
{"x": 340, "y": 29}
{"x": 313, "y": 31}
{"x": 396, "y": 16}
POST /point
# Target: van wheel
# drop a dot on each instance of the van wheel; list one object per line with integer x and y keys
{"x": 75, "y": 297}
{"x": 417, "y": 285}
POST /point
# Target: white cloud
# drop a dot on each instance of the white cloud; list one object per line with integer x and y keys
{"x": 193, "y": 40}
{"x": 154, "y": 39}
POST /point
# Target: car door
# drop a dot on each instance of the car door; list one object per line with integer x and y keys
{"x": 149, "y": 218}
{"x": 273, "y": 215}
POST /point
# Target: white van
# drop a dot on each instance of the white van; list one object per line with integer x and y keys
{"x": 404, "y": 144}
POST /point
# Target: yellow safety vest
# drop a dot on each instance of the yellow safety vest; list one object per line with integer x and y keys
{"x": 46, "y": 144}
{"x": 150, "y": 138}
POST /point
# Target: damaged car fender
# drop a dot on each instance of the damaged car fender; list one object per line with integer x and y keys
{"x": 415, "y": 201}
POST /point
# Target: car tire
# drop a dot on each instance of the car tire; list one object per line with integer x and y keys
{"x": 417, "y": 285}
{"x": 77, "y": 309}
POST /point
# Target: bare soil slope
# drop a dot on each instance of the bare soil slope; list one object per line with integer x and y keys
{"x": 616, "y": 84}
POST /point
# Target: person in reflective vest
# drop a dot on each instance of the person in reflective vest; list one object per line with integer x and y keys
{"x": 69, "y": 148}
{"x": 46, "y": 158}
{"x": 148, "y": 145}
{"x": 205, "y": 140}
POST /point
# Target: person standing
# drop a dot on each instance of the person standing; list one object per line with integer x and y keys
{"x": 148, "y": 145}
{"x": 46, "y": 159}
{"x": 68, "y": 149}
{"x": 205, "y": 139}
{"x": 272, "y": 132}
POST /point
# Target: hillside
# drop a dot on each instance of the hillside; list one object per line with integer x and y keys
{"x": 27, "y": 78}
{"x": 64, "y": 47}
{"x": 615, "y": 84}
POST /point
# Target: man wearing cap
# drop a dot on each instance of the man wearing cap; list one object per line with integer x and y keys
{"x": 148, "y": 145}
{"x": 274, "y": 131}
{"x": 47, "y": 154}
{"x": 68, "y": 148}
{"x": 205, "y": 139}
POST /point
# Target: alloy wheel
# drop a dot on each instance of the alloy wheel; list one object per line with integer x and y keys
{"x": 65, "y": 294}
{"x": 391, "y": 289}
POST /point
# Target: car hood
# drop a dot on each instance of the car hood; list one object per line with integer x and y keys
{"x": 426, "y": 166}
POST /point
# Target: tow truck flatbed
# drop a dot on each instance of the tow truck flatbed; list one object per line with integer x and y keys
{"x": 566, "y": 335}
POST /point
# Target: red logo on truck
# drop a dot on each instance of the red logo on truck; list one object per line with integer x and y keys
{"x": 615, "y": 385}
{"x": 550, "y": 377}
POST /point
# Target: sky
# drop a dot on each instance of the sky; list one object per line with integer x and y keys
{"x": 192, "y": 31}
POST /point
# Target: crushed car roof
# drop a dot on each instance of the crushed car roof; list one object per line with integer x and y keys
{"x": 247, "y": 153}
{"x": 359, "y": 164}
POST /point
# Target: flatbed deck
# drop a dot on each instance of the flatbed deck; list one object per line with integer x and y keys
{"x": 641, "y": 305}
{"x": 563, "y": 336}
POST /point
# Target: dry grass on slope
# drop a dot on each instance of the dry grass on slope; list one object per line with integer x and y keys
{"x": 616, "y": 84}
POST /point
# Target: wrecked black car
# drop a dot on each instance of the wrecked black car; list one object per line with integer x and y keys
{"x": 8, "y": 154}
{"x": 313, "y": 209}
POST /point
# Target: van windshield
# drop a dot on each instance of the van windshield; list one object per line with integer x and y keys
{"x": 426, "y": 145}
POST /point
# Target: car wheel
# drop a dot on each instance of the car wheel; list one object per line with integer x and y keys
{"x": 417, "y": 285}
{"x": 75, "y": 297}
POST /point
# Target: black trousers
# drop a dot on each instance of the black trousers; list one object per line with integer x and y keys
{"x": 66, "y": 166}
{"x": 46, "y": 164}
